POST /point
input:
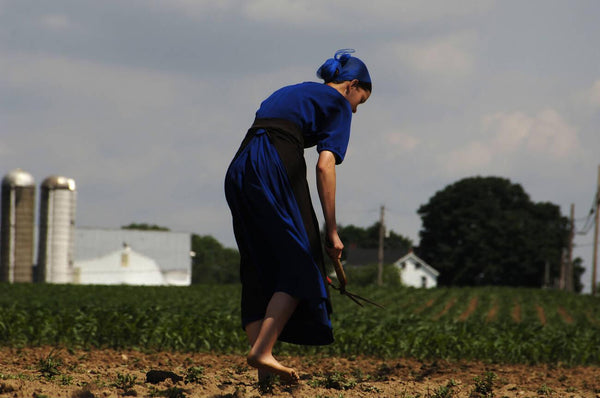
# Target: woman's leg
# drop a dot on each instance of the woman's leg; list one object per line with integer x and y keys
{"x": 263, "y": 336}
{"x": 252, "y": 330}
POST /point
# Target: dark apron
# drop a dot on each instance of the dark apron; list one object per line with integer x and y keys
{"x": 289, "y": 142}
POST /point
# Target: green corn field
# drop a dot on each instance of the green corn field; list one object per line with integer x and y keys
{"x": 501, "y": 325}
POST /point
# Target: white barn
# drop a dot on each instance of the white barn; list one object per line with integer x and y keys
{"x": 121, "y": 267}
{"x": 132, "y": 257}
{"x": 415, "y": 272}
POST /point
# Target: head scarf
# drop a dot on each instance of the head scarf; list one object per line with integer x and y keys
{"x": 343, "y": 67}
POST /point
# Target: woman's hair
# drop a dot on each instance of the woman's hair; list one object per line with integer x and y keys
{"x": 344, "y": 67}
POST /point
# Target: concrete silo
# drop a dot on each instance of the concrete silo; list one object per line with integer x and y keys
{"x": 18, "y": 227}
{"x": 57, "y": 230}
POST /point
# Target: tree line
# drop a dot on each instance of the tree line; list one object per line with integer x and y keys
{"x": 477, "y": 231}
{"x": 214, "y": 263}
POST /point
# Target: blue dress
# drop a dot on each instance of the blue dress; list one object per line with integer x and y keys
{"x": 274, "y": 222}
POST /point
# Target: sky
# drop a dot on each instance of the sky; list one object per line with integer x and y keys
{"x": 144, "y": 102}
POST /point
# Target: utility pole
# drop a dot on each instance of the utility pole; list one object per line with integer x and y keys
{"x": 546, "y": 284}
{"x": 569, "y": 280}
{"x": 595, "y": 259}
{"x": 380, "y": 250}
{"x": 562, "y": 279}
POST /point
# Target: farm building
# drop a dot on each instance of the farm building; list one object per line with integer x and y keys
{"x": 358, "y": 256}
{"x": 17, "y": 231}
{"x": 56, "y": 230}
{"x": 121, "y": 267}
{"x": 415, "y": 272}
{"x": 58, "y": 252}
{"x": 133, "y": 257}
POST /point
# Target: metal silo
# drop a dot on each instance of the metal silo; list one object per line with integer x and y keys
{"x": 18, "y": 227}
{"x": 57, "y": 230}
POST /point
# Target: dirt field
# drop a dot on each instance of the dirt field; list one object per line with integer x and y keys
{"x": 47, "y": 372}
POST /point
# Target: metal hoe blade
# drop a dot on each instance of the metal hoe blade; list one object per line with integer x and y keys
{"x": 355, "y": 297}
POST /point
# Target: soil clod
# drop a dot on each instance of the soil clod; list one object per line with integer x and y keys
{"x": 158, "y": 376}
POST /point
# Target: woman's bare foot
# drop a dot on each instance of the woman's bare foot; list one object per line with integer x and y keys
{"x": 268, "y": 365}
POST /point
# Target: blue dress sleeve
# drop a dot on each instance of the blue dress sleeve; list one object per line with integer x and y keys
{"x": 334, "y": 133}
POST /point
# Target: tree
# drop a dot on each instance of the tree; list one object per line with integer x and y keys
{"x": 366, "y": 241}
{"x": 213, "y": 263}
{"x": 145, "y": 227}
{"x": 486, "y": 231}
{"x": 368, "y": 238}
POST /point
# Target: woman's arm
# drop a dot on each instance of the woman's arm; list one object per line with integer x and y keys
{"x": 326, "y": 188}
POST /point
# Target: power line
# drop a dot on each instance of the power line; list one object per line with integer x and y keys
{"x": 589, "y": 220}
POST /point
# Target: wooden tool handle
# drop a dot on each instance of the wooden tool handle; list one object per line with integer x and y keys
{"x": 339, "y": 271}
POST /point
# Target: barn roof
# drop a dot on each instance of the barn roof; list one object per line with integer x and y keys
{"x": 171, "y": 250}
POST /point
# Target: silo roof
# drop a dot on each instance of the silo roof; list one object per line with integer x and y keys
{"x": 18, "y": 178}
{"x": 59, "y": 182}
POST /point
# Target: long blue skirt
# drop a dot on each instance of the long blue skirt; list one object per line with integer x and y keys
{"x": 276, "y": 252}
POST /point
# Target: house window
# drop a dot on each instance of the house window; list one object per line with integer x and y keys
{"x": 417, "y": 265}
{"x": 423, "y": 281}
{"x": 403, "y": 264}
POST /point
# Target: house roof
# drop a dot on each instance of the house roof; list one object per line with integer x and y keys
{"x": 361, "y": 256}
{"x": 412, "y": 256}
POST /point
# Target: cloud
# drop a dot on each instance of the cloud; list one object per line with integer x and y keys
{"x": 114, "y": 116}
{"x": 546, "y": 133}
{"x": 121, "y": 125}
{"x": 295, "y": 12}
{"x": 5, "y": 148}
{"x": 594, "y": 94}
{"x": 401, "y": 142}
{"x": 338, "y": 14}
{"x": 473, "y": 156}
{"x": 202, "y": 10}
{"x": 512, "y": 139}
{"x": 62, "y": 77}
{"x": 432, "y": 67}
{"x": 55, "y": 21}
{"x": 509, "y": 131}
{"x": 448, "y": 56}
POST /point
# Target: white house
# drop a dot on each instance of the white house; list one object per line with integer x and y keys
{"x": 415, "y": 272}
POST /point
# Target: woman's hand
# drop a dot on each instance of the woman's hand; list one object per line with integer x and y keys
{"x": 333, "y": 245}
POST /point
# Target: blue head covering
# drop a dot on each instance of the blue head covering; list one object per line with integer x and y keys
{"x": 343, "y": 67}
